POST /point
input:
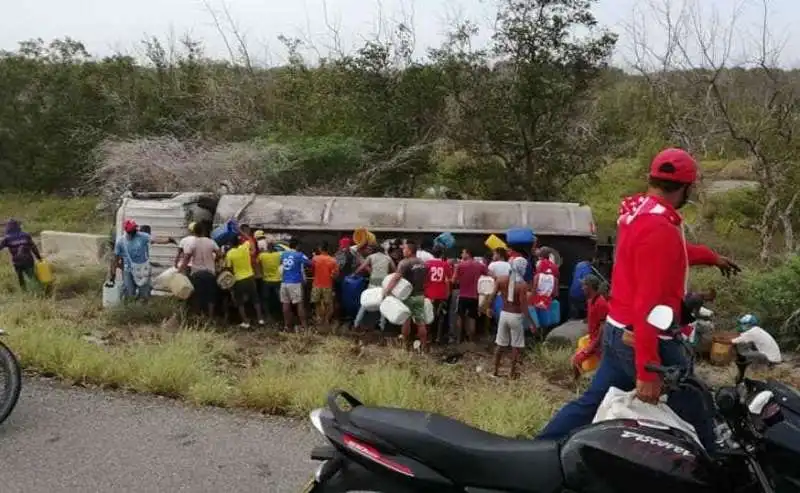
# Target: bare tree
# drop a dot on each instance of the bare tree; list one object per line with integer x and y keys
{"x": 706, "y": 93}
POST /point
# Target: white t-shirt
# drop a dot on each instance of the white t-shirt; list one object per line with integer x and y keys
{"x": 202, "y": 252}
{"x": 763, "y": 341}
{"x": 424, "y": 256}
{"x": 500, "y": 268}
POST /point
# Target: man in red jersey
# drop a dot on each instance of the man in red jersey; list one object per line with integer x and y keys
{"x": 650, "y": 269}
{"x": 437, "y": 289}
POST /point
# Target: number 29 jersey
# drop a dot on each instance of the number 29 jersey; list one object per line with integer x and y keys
{"x": 439, "y": 273}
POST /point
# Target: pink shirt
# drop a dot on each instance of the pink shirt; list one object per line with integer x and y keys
{"x": 467, "y": 275}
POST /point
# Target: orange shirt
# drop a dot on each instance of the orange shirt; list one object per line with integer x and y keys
{"x": 323, "y": 268}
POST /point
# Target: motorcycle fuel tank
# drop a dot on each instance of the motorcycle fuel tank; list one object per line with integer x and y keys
{"x": 628, "y": 456}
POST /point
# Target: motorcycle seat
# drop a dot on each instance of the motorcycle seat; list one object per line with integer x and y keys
{"x": 468, "y": 456}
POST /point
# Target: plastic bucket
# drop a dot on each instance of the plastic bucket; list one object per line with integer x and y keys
{"x": 362, "y": 236}
{"x": 447, "y": 240}
{"x": 493, "y": 243}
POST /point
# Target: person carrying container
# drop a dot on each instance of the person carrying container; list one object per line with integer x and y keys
{"x": 596, "y": 311}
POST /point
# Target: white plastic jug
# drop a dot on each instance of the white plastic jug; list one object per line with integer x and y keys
{"x": 485, "y": 285}
{"x": 402, "y": 289}
{"x": 180, "y": 286}
{"x": 162, "y": 281}
{"x": 429, "y": 313}
{"x": 371, "y": 299}
{"x": 112, "y": 294}
{"x": 395, "y": 311}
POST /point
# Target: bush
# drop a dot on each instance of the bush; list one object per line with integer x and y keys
{"x": 774, "y": 296}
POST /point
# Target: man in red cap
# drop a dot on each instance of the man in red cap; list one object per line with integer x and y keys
{"x": 132, "y": 255}
{"x": 651, "y": 269}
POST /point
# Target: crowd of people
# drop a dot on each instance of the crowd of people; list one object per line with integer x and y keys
{"x": 269, "y": 281}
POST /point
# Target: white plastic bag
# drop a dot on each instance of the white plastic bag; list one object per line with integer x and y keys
{"x": 619, "y": 404}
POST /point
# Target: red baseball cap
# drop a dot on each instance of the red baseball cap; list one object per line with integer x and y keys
{"x": 674, "y": 164}
{"x": 129, "y": 226}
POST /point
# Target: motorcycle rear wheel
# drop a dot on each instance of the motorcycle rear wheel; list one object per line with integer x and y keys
{"x": 11, "y": 380}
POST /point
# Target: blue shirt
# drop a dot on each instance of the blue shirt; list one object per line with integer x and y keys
{"x": 136, "y": 249}
{"x": 582, "y": 269}
{"x": 292, "y": 263}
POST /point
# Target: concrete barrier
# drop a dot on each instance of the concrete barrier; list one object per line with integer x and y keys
{"x": 75, "y": 249}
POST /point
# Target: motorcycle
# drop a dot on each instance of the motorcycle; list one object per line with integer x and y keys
{"x": 392, "y": 450}
{"x": 11, "y": 380}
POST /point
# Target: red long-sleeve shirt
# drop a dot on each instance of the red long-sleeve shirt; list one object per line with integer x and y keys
{"x": 650, "y": 269}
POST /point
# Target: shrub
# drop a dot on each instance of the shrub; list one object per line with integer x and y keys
{"x": 774, "y": 296}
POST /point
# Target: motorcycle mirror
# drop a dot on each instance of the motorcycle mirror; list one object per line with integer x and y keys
{"x": 661, "y": 317}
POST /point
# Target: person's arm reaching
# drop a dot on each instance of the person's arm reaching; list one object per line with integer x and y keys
{"x": 703, "y": 255}
{"x": 364, "y": 267}
{"x": 655, "y": 258}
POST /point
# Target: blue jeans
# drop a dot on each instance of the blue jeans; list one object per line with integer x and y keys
{"x": 131, "y": 290}
{"x": 617, "y": 369}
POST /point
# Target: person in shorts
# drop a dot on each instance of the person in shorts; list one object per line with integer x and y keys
{"x": 324, "y": 269}
{"x": 199, "y": 260}
{"x": 467, "y": 273}
{"x": 413, "y": 270}
{"x": 244, "y": 291}
{"x": 511, "y": 322}
{"x": 437, "y": 289}
{"x": 292, "y": 276}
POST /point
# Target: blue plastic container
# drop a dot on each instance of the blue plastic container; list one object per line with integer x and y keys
{"x": 352, "y": 286}
{"x": 446, "y": 240}
{"x": 225, "y": 233}
{"x": 520, "y": 236}
{"x": 550, "y": 317}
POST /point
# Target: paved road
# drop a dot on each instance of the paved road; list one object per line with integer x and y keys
{"x": 71, "y": 440}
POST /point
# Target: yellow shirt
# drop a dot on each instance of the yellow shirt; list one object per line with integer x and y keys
{"x": 238, "y": 259}
{"x": 270, "y": 266}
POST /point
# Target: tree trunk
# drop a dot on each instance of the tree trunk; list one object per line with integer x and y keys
{"x": 786, "y": 221}
{"x": 767, "y": 227}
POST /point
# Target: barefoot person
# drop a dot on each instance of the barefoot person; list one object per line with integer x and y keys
{"x": 511, "y": 324}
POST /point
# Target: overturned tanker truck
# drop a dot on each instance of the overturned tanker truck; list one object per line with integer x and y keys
{"x": 567, "y": 227}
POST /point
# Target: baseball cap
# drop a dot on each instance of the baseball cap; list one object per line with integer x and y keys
{"x": 129, "y": 226}
{"x": 675, "y": 165}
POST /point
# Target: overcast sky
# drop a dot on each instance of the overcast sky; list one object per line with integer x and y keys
{"x": 107, "y": 26}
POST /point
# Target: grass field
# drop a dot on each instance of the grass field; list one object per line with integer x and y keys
{"x": 43, "y": 212}
{"x": 151, "y": 349}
